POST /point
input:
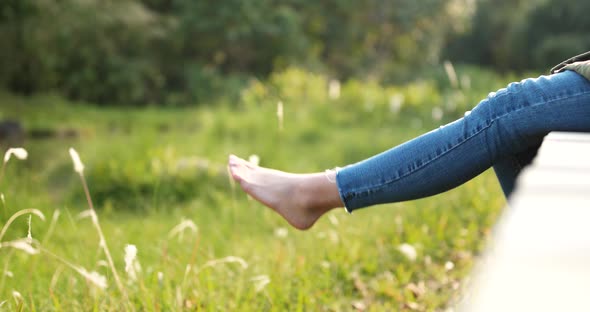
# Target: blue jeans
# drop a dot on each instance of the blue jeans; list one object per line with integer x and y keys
{"x": 504, "y": 131}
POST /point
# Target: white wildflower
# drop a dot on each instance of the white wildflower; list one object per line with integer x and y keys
{"x": 78, "y": 166}
{"x": 254, "y": 159}
{"x": 260, "y": 282}
{"x": 334, "y": 89}
{"x": 281, "y": 232}
{"x": 449, "y": 265}
{"x": 17, "y": 296}
{"x": 408, "y": 251}
{"x": 130, "y": 258}
{"x": 102, "y": 263}
{"x": 2, "y": 198}
{"x": 18, "y": 152}
{"x": 9, "y": 274}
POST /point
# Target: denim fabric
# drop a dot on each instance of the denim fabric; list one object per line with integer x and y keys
{"x": 504, "y": 131}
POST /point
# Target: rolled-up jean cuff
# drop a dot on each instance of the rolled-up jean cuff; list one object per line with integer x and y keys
{"x": 349, "y": 205}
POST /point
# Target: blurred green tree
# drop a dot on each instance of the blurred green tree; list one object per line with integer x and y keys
{"x": 139, "y": 52}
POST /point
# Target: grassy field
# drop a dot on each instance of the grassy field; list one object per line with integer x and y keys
{"x": 158, "y": 180}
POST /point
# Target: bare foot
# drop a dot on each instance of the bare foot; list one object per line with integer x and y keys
{"x": 299, "y": 198}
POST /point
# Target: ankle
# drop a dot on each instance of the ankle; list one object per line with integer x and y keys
{"x": 313, "y": 194}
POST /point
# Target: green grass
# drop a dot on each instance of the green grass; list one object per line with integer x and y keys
{"x": 150, "y": 169}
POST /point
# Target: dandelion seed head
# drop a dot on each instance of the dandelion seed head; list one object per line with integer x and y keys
{"x": 78, "y": 166}
{"x": 18, "y": 152}
{"x": 449, "y": 265}
{"x": 408, "y": 251}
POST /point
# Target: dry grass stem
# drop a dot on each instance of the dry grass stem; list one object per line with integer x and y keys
{"x": 260, "y": 282}
{"x": 51, "y": 228}
{"x": 79, "y": 168}
{"x": 280, "y": 115}
{"x": 20, "y": 244}
{"x": 228, "y": 259}
{"x": 18, "y": 214}
{"x": 29, "y": 235}
{"x": 179, "y": 229}
{"x": 131, "y": 264}
{"x": 18, "y": 152}
{"x": 93, "y": 277}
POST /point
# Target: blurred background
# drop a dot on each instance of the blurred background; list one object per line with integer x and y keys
{"x": 154, "y": 94}
{"x": 175, "y": 52}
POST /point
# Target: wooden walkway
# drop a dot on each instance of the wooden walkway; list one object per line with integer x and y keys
{"x": 539, "y": 258}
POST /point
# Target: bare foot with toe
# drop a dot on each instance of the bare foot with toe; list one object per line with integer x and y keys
{"x": 299, "y": 198}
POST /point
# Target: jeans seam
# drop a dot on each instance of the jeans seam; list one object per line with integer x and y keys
{"x": 491, "y": 122}
{"x": 365, "y": 191}
{"x": 380, "y": 185}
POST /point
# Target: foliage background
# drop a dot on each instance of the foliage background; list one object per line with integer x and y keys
{"x": 179, "y": 52}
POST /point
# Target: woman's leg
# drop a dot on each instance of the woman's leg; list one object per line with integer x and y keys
{"x": 508, "y": 168}
{"x": 509, "y": 124}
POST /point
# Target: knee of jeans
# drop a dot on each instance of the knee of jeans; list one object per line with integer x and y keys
{"x": 498, "y": 103}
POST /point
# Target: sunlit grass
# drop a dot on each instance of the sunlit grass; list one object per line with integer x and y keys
{"x": 159, "y": 183}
